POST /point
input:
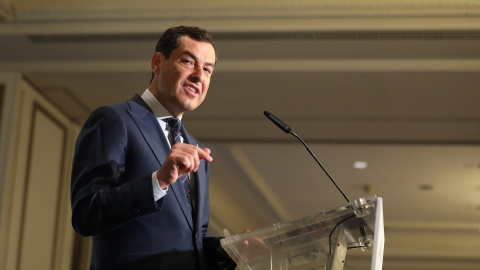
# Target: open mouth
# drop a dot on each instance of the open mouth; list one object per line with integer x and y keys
{"x": 192, "y": 89}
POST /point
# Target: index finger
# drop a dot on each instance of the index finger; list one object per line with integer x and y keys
{"x": 205, "y": 154}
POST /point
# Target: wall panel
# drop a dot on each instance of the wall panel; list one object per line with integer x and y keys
{"x": 38, "y": 233}
{"x": 42, "y": 191}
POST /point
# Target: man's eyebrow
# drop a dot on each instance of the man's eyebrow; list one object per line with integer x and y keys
{"x": 189, "y": 53}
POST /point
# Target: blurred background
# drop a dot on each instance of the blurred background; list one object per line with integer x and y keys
{"x": 385, "y": 93}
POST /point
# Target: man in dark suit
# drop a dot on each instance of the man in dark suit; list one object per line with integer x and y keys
{"x": 124, "y": 188}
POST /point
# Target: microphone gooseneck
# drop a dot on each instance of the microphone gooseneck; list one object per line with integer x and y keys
{"x": 288, "y": 130}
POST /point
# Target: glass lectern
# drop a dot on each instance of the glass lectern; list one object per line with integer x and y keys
{"x": 320, "y": 241}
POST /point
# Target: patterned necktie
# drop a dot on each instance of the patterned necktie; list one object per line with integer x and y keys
{"x": 175, "y": 124}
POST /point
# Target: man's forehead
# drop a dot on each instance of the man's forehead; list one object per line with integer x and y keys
{"x": 196, "y": 49}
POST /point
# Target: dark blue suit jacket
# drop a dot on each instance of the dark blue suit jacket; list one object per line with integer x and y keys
{"x": 116, "y": 152}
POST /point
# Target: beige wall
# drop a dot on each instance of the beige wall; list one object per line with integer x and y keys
{"x": 37, "y": 146}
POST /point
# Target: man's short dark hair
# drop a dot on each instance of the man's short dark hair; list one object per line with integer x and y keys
{"x": 170, "y": 39}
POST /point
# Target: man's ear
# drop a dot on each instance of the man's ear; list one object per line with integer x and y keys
{"x": 156, "y": 59}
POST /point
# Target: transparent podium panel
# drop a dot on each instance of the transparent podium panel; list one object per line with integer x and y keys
{"x": 320, "y": 241}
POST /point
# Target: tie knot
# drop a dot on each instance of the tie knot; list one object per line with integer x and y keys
{"x": 174, "y": 124}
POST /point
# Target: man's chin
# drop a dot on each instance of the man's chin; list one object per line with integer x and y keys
{"x": 185, "y": 108}
{"x": 191, "y": 105}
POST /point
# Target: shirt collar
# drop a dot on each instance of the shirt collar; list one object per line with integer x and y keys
{"x": 157, "y": 107}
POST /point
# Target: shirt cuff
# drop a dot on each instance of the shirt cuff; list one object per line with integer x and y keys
{"x": 158, "y": 192}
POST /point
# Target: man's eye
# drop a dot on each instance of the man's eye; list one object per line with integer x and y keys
{"x": 207, "y": 70}
{"x": 187, "y": 61}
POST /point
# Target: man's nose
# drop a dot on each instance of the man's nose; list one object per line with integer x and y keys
{"x": 198, "y": 75}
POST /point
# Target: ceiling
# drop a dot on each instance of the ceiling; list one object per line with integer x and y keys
{"x": 393, "y": 83}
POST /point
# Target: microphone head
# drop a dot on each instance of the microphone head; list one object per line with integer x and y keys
{"x": 278, "y": 122}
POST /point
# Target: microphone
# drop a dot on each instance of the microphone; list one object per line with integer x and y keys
{"x": 288, "y": 130}
{"x": 278, "y": 122}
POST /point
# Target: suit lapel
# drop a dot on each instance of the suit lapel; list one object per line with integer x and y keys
{"x": 148, "y": 125}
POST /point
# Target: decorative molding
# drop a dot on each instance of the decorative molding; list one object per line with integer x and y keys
{"x": 246, "y": 18}
{"x": 349, "y": 9}
{"x": 268, "y": 65}
{"x": 267, "y": 36}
